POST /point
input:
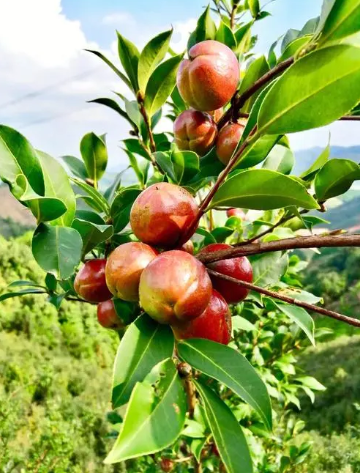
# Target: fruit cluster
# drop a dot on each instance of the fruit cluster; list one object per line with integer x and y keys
{"x": 207, "y": 81}
{"x": 170, "y": 284}
{"x": 160, "y": 272}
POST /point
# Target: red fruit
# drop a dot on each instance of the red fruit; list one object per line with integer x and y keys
{"x": 162, "y": 214}
{"x": 236, "y": 213}
{"x": 175, "y": 287}
{"x": 167, "y": 465}
{"x": 90, "y": 281}
{"x": 107, "y": 315}
{"x": 238, "y": 268}
{"x": 209, "y": 78}
{"x": 227, "y": 141}
{"x": 195, "y": 131}
{"x": 188, "y": 247}
{"x": 213, "y": 324}
{"x": 217, "y": 114}
{"x": 124, "y": 268}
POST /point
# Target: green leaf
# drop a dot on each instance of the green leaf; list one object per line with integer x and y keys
{"x": 92, "y": 234}
{"x": 121, "y": 207}
{"x": 257, "y": 69}
{"x": 153, "y": 53}
{"x": 44, "y": 209}
{"x": 343, "y": 20}
{"x": 185, "y": 164}
{"x": 127, "y": 311}
{"x": 320, "y": 161}
{"x": 205, "y": 29}
{"x": 76, "y": 167}
{"x": 111, "y": 65}
{"x": 230, "y": 368}
{"x": 294, "y": 47}
{"x": 226, "y": 36}
{"x": 300, "y": 317}
{"x": 280, "y": 159}
{"x": 95, "y": 156}
{"x": 129, "y": 57}
{"x": 149, "y": 343}
{"x": 335, "y": 178}
{"x": 243, "y": 36}
{"x": 196, "y": 448}
{"x": 288, "y": 108}
{"x": 18, "y": 158}
{"x": 161, "y": 83}
{"x": 57, "y": 250}
{"x": 57, "y": 185}
{"x": 289, "y": 37}
{"x": 110, "y": 103}
{"x": 268, "y": 268}
{"x": 24, "y": 292}
{"x": 133, "y": 145}
{"x": 239, "y": 323}
{"x": 254, "y": 7}
{"x": 21, "y": 283}
{"x": 228, "y": 435}
{"x": 101, "y": 203}
{"x": 311, "y": 383}
{"x": 221, "y": 233}
{"x": 262, "y": 189}
{"x": 111, "y": 191}
{"x": 155, "y": 415}
{"x": 140, "y": 168}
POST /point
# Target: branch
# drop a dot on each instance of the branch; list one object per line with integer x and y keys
{"x": 222, "y": 176}
{"x": 77, "y": 299}
{"x": 289, "y": 300}
{"x": 238, "y": 102}
{"x": 350, "y": 118}
{"x": 314, "y": 241}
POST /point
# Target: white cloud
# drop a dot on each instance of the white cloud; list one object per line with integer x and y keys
{"x": 118, "y": 18}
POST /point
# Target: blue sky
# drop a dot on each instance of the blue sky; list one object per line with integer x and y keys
{"x": 42, "y": 54}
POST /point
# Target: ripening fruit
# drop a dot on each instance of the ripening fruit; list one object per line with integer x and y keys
{"x": 213, "y": 324}
{"x": 239, "y": 213}
{"x": 162, "y": 214}
{"x": 107, "y": 315}
{"x": 209, "y": 78}
{"x": 217, "y": 114}
{"x": 175, "y": 287}
{"x": 90, "y": 281}
{"x": 124, "y": 268}
{"x": 227, "y": 141}
{"x": 238, "y": 268}
{"x": 188, "y": 247}
{"x": 195, "y": 131}
{"x": 167, "y": 465}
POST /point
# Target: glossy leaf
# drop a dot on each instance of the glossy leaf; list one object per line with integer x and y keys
{"x": 127, "y": 311}
{"x": 289, "y": 37}
{"x": 57, "y": 185}
{"x": 254, "y": 6}
{"x": 23, "y": 292}
{"x": 57, "y": 250}
{"x": 243, "y": 35}
{"x": 110, "y": 103}
{"x": 335, "y": 178}
{"x": 18, "y": 158}
{"x": 294, "y": 47}
{"x": 230, "y": 368}
{"x": 280, "y": 159}
{"x": 44, "y": 209}
{"x": 343, "y": 20}
{"x": 99, "y": 200}
{"x": 257, "y": 69}
{"x": 155, "y": 415}
{"x": 288, "y": 108}
{"x": 228, "y": 435}
{"x": 149, "y": 343}
{"x": 110, "y": 192}
{"x": 161, "y": 83}
{"x": 92, "y": 234}
{"x": 320, "y": 161}
{"x": 94, "y": 154}
{"x": 268, "y": 268}
{"x": 129, "y": 57}
{"x": 76, "y": 167}
{"x": 205, "y": 29}
{"x": 262, "y": 189}
{"x": 152, "y": 54}
{"x": 301, "y": 318}
{"x": 226, "y": 36}
{"x": 121, "y": 207}
{"x": 140, "y": 167}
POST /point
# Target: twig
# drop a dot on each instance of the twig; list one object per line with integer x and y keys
{"x": 270, "y": 229}
{"x": 239, "y": 101}
{"x": 191, "y": 396}
{"x": 314, "y": 241}
{"x": 222, "y": 176}
{"x": 232, "y": 16}
{"x": 289, "y": 300}
{"x": 77, "y": 299}
{"x": 350, "y": 118}
{"x": 197, "y": 467}
{"x": 148, "y": 126}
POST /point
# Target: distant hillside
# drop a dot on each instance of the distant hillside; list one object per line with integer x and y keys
{"x": 11, "y": 208}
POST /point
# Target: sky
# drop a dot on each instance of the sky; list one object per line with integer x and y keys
{"x": 46, "y": 77}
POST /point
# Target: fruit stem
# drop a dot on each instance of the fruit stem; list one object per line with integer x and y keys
{"x": 239, "y": 101}
{"x": 289, "y": 300}
{"x": 313, "y": 241}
